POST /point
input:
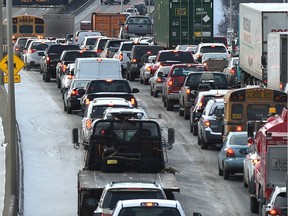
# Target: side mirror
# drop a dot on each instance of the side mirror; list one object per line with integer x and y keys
{"x": 171, "y": 137}
{"x": 135, "y": 90}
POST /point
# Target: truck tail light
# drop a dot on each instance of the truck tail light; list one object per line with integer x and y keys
{"x": 230, "y": 152}
{"x": 159, "y": 80}
{"x": 87, "y": 101}
{"x": 74, "y": 92}
{"x": 170, "y": 83}
{"x": 134, "y": 60}
{"x": 32, "y": 50}
{"x": 70, "y": 76}
{"x": 121, "y": 56}
{"x": 133, "y": 102}
{"x": 88, "y": 123}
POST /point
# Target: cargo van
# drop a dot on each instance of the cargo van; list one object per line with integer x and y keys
{"x": 97, "y": 68}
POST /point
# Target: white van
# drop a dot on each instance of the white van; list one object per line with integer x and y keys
{"x": 97, "y": 68}
{"x": 79, "y": 35}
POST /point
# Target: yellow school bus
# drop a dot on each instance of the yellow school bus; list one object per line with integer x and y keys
{"x": 250, "y": 104}
{"x": 28, "y": 26}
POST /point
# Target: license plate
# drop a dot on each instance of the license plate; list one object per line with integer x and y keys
{"x": 112, "y": 162}
{"x": 79, "y": 99}
{"x": 133, "y": 65}
{"x": 279, "y": 164}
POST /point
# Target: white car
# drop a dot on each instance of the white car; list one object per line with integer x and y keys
{"x": 209, "y": 48}
{"x": 149, "y": 207}
{"x": 35, "y": 52}
{"x": 131, "y": 11}
{"x": 145, "y": 70}
{"x": 89, "y": 42}
{"x": 95, "y": 111}
{"x": 67, "y": 78}
{"x": 115, "y": 191}
{"x": 124, "y": 113}
{"x": 156, "y": 81}
{"x": 277, "y": 203}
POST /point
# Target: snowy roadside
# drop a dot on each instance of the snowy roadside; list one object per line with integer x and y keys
{"x": 2, "y": 167}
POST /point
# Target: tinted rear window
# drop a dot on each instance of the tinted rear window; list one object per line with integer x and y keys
{"x": 113, "y": 86}
{"x": 210, "y": 49}
{"x": 58, "y": 48}
{"x": 239, "y": 139}
{"x": 185, "y": 57}
{"x": 139, "y": 51}
{"x": 184, "y": 71}
{"x": 216, "y": 81}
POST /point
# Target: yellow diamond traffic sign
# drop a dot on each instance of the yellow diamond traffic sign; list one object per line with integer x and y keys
{"x": 18, "y": 64}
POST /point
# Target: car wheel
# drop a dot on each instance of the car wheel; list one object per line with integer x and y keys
{"x": 141, "y": 80}
{"x": 169, "y": 105}
{"x": 203, "y": 143}
{"x": 69, "y": 110}
{"x": 58, "y": 83}
{"x": 155, "y": 93}
{"x": 225, "y": 173}
{"x": 181, "y": 112}
{"x": 245, "y": 185}
{"x": 46, "y": 78}
{"x": 186, "y": 113}
{"x": 65, "y": 107}
{"x": 131, "y": 77}
{"x": 198, "y": 138}
{"x": 220, "y": 171}
{"x": 151, "y": 91}
{"x": 194, "y": 130}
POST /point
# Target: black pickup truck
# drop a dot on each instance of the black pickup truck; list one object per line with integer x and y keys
{"x": 52, "y": 57}
{"x": 107, "y": 88}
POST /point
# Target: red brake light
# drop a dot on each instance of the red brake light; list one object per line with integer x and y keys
{"x": 159, "y": 79}
{"x": 232, "y": 71}
{"x": 170, "y": 83}
{"x": 207, "y": 123}
{"x": 238, "y": 128}
{"x": 230, "y": 152}
{"x": 32, "y": 50}
{"x": 134, "y": 60}
{"x": 273, "y": 212}
{"x": 70, "y": 76}
{"x": 74, "y": 92}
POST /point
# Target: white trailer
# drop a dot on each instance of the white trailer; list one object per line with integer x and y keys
{"x": 59, "y": 25}
{"x": 277, "y": 67}
{"x": 256, "y": 21}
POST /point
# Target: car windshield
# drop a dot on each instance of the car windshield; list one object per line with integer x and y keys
{"x": 113, "y": 196}
{"x": 154, "y": 211}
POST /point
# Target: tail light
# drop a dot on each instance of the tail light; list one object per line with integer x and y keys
{"x": 76, "y": 39}
{"x": 87, "y": 101}
{"x": 74, "y": 92}
{"x": 70, "y": 76}
{"x": 170, "y": 83}
{"x": 275, "y": 212}
{"x": 238, "y": 128}
{"x": 88, "y": 123}
{"x": 134, "y": 60}
{"x": 64, "y": 67}
{"x": 159, "y": 79}
{"x": 232, "y": 71}
{"x": 255, "y": 161}
{"x": 200, "y": 105}
{"x": 32, "y": 50}
{"x": 206, "y": 123}
{"x": 47, "y": 60}
{"x": 281, "y": 86}
{"x": 133, "y": 102}
{"x": 149, "y": 68}
{"x": 188, "y": 91}
{"x": 17, "y": 49}
{"x": 121, "y": 56}
{"x": 126, "y": 28}
{"x": 230, "y": 152}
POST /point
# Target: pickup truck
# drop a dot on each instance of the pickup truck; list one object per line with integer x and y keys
{"x": 107, "y": 88}
{"x": 137, "y": 25}
{"x": 122, "y": 150}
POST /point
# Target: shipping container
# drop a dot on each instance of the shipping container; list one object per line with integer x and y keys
{"x": 179, "y": 22}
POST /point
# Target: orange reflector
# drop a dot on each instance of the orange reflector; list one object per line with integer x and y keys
{"x": 87, "y": 101}
{"x": 88, "y": 123}
{"x": 133, "y": 102}
{"x": 188, "y": 91}
{"x": 207, "y": 123}
{"x": 170, "y": 83}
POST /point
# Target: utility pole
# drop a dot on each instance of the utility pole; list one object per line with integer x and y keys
{"x": 1, "y": 42}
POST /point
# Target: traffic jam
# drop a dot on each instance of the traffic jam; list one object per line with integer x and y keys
{"x": 229, "y": 108}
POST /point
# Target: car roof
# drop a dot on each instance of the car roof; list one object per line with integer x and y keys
{"x": 213, "y": 92}
{"x": 109, "y": 100}
{"x": 161, "y": 202}
{"x": 132, "y": 184}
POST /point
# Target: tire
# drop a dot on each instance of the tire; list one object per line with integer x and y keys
{"x": 131, "y": 77}
{"x": 203, "y": 143}
{"x": 69, "y": 110}
{"x": 151, "y": 92}
{"x": 194, "y": 131}
{"x": 186, "y": 114}
{"x": 146, "y": 81}
{"x": 226, "y": 173}
{"x": 46, "y": 78}
{"x": 245, "y": 185}
{"x": 65, "y": 107}
{"x": 254, "y": 205}
{"x": 198, "y": 139}
{"x": 181, "y": 112}
{"x": 155, "y": 94}
{"x": 220, "y": 172}
{"x": 169, "y": 105}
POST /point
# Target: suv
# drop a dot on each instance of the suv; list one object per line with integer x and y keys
{"x": 199, "y": 105}
{"x": 88, "y": 42}
{"x": 52, "y": 57}
{"x": 209, "y": 48}
{"x": 174, "y": 81}
{"x": 34, "y": 53}
{"x": 67, "y": 57}
{"x": 79, "y": 35}
{"x": 210, "y": 124}
{"x": 155, "y": 207}
{"x": 99, "y": 45}
{"x": 111, "y": 47}
{"x": 19, "y": 45}
{"x": 169, "y": 57}
{"x": 115, "y": 191}
{"x": 124, "y": 51}
{"x": 135, "y": 63}
{"x": 196, "y": 82}
{"x": 95, "y": 111}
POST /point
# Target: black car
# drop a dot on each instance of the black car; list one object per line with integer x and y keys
{"x": 210, "y": 124}
{"x": 67, "y": 57}
{"x": 142, "y": 9}
{"x": 108, "y": 88}
{"x": 73, "y": 95}
{"x": 199, "y": 105}
{"x": 52, "y": 57}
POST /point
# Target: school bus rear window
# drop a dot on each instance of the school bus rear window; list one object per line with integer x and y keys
{"x": 237, "y": 110}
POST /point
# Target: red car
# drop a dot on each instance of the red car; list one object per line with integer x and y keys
{"x": 174, "y": 81}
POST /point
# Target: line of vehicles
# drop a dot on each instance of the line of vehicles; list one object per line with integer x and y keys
{"x": 125, "y": 144}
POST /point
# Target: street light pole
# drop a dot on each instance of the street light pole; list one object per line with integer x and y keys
{"x": 1, "y": 42}
{"x": 230, "y": 14}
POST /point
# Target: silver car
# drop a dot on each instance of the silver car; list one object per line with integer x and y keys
{"x": 157, "y": 80}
